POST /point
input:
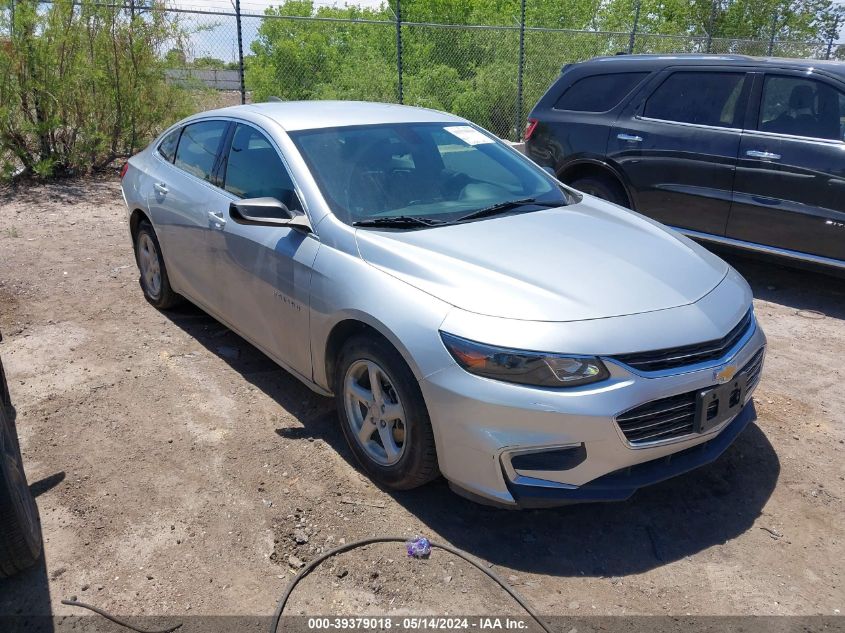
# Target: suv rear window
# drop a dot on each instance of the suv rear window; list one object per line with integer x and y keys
{"x": 703, "y": 98}
{"x": 598, "y": 93}
{"x": 802, "y": 107}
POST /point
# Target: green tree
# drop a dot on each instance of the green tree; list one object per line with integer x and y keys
{"x": 82, "y": 84}
{"x": 473, "y": 71}
{"x": 304, "y": 59}
{"x": 176, "y": 58}
{"x": 210, "y": 63}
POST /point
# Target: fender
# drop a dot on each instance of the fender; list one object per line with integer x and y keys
{"x": 572, "y": 163}
{"x": 320, "y": 345}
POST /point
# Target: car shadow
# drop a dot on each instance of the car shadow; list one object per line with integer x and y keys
{"x": 660, "y": 524}
{"x": 808, "y": 290}
{"x": 25, "y": 601}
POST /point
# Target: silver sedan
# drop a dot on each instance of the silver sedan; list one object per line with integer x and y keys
{"x": 471, "y": 315}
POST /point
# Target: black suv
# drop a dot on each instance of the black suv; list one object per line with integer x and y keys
{"x": 736, "y": 150}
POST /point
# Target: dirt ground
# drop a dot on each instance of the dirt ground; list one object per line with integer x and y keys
{"x": 176, "y": 467}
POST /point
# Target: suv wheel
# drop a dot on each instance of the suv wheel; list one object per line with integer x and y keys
{"x": 602, "y": 187}
{"x": 20, "y": 528}
{"x": 383, "y": 415}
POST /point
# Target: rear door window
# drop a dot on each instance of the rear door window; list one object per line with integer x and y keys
{"x": 598, "y": 93}
{"x": 167, "y": 147}
{"x": 802, "y": 107}
{"x": 702, "y": 98}
{"x": 255, "y": 170}
{"x": 199, "y": 146}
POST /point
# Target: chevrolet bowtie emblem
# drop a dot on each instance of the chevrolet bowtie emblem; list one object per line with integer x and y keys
{"x": 724, "y": 374}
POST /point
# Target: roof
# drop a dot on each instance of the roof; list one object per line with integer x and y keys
{"x": 306, "y": 115}
{"x": 654, "y": 62}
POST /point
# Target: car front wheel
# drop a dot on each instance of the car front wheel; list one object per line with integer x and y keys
{"x": 383, "y": 414}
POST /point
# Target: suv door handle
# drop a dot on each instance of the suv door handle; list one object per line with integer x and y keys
{"x": 160, "y": 187}
{"x": 631, "y": 138}
{"x": 753, "y": 153}
{"x": 217, "y": 220}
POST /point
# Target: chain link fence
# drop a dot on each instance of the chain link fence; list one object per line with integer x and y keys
{"x": 489, "y": 74}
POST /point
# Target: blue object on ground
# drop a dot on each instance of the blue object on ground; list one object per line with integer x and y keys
{"x": 418, "y": 547}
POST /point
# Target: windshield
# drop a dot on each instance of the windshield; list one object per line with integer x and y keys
{"x": 436, "y": 171}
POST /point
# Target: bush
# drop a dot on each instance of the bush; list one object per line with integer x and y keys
{"x": 81, "y": 85}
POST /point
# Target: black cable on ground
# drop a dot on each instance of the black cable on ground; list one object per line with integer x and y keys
{"x": 277, "y": 616}
{"x": 108, "y": 616}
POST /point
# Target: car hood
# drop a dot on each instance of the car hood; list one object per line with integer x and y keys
{"x": 587, "y": 260}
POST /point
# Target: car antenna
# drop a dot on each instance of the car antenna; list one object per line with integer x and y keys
{"x": 273, "y": 99}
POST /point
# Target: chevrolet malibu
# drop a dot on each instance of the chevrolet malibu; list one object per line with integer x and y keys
{"x": 470, "y": 315}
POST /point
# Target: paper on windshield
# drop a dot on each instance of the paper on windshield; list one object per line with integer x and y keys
{"x": 469, "y": 135}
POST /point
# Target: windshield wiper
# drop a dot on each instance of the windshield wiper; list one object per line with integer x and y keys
{"x": 399, "y": 221}
{"x": 502, "y": 207}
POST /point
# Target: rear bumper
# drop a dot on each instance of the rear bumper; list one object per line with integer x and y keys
{"x": 621, "y": 484}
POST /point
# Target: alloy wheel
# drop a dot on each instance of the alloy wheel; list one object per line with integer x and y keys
{"x": 375, "y": 413}
{"x": 149, "y": 265}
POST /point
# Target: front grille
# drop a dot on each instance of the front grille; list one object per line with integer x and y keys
{"x": 659, "y": 420}
{"x": 673, "y": 357}
{"x": 754, "y": 368}
{"x": 673, "y": 417}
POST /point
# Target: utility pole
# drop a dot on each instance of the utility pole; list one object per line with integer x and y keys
{"x": 832, "y": 35}
{"x": 520, "y": 71}
{"x": 634, "y": 29}
{"x": 774, "y": 31}
{"x": 399, "y": 51}
{"x": 710, "y": 25}
{"x": 240, "y": 49}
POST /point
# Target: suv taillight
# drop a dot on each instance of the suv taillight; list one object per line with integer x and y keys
{"x": 529, "y": 128}
{"x": 124, "y": 169}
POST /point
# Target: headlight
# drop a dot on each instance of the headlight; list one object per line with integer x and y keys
{"x": 524, "y": 367}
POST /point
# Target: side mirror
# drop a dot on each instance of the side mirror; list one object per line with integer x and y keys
{"x": 267, "y": 212}
{"x": 550, "y": 171}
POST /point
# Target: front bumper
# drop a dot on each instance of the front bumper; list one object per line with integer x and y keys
{"x": 621, "y": 484}
{"x": 480, "y": 424}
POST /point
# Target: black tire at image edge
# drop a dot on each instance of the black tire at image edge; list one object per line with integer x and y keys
{"x": 20, "y": 528}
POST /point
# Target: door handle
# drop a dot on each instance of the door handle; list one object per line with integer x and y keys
{"x": 753, "y": 153}
{"x": 631, "y": 138}
{"x": 160, "y": 187}
{"x": 217, "y": 220}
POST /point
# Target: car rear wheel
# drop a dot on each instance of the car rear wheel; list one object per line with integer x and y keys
{"x": 602, "y": 187}
{"x": 383, "y": 415}
{"x": 154, "y": 280}
{"x": 20, "y": 528}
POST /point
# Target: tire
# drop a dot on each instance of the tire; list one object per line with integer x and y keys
{"x": 602, "y": 187}
{"x": 20, "y": 527}
{"x": 153, "y": 273}
{"x": 416, "y": 463}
